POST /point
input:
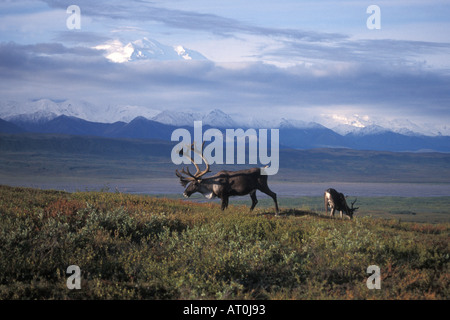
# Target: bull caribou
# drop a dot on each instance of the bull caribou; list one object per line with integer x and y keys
{"x": 224, "y": 184}
{"x": 336, "y": 201}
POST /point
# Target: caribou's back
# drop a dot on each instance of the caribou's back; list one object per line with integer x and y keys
{"x": 241, "y": 182}
{"x": 335, "y": 199}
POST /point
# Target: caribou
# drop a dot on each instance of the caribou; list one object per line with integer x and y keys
{"x": 224, "y": 184}
{"x": 336, "y": 201}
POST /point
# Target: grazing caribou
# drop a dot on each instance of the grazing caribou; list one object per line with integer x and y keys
{"x": 225, "y": 184}
{"x": 336, "y": 201}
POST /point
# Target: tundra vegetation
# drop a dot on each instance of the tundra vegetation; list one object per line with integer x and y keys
{"x": 142, "y": 247}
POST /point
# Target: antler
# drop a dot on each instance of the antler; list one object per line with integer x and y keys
{"x": 198, "y": 174}
{"x": 354, "y": 203}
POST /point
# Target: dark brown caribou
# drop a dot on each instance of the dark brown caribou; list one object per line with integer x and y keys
{"x": 336, "y": 201}
{"x": 224, "y": 184}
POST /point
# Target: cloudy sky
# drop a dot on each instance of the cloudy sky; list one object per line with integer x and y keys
{"x": 291, "y": 58}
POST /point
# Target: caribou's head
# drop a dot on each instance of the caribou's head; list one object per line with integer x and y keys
{"x": 352, "y": 210}
{"x": 194, "y": 181}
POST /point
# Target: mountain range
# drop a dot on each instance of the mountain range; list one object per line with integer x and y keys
{"x": 39, "y": 110}
{"x": 293, "y": 134}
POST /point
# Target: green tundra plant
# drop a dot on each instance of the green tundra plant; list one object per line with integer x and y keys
{"x": 142, "y": 247}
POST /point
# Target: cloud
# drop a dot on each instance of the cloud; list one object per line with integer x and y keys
{"x": 80, "y": 37}
{"x": 187, "y": 20}
{"x": 54, "y": 71}
{"x": 293, "y": 71}
{"x": 377, "y": 52}
{"x": 278, "y": 45}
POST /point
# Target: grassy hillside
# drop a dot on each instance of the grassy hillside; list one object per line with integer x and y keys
{"x": 140, "y": 247}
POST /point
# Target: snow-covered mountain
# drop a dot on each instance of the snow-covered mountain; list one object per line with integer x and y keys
{"x": 120, "y": 51}
{"x": 177, "y": 118}
{"x": 297, "y": 124}
{"x": 29, "y": 110}
{"x": 364, "y": 124}
{"x": 218, "y": 118}
{"x": 82, "y": 118}
{"x": 215, "y": 118}
{"x": 45, "y": 109}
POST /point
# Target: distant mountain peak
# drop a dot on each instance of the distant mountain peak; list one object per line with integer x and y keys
{"x": 215, "y": 118}
{"x": 369, "y": 130}
{"x": 218, "y": 118}
{"x": 146, "y": 49}
{"x": 364, "y": 124}
{"x": 177, "y": 118}
{"x": 299, "y": 124}
{"x": 39, "y": 110}
{"x": 35, "y": 117}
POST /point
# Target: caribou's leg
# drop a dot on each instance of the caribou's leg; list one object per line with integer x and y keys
{"x": 341, "y": 214}
{"x": 332, "y": 212}
{"x": 224, "y": 203}
{"x": 270, "y": 193}
{"x": 254, "y": 200}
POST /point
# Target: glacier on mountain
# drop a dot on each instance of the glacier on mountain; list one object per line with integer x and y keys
{"x": 146, "y": 49}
